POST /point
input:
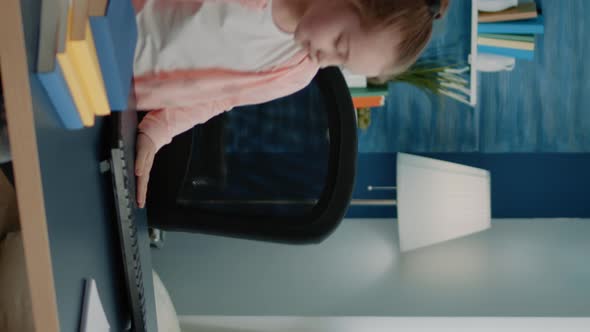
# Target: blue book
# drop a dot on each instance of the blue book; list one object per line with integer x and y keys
{"x": 115, "y": 36}
{"x": 535, "y": 26}
{"x": 57, "y": 89}
{"x": 511, "y": 52}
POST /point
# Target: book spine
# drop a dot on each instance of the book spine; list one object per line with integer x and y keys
{"x": 57, "y": 90}
{"x": 115, "y": 36}
{"x": 62, "y": 31}
{"x": 363, "y": 102}
{"x": 74, "y": 84}
{"x": 506, "y": 43}
{"x": 106, "y": 57}
{"x": 97, "y": 7}
{"x": 522, "y": 12}
{"x": 83, "y": 55}
{"x": 524, "y": 27}
{"x": 519, "y": 54}
{"x": 368, "y": 92}
{"x": 48, "y": 37}
{"x": 506, "y": 18}
{"x": 79, "y": 19}
{"x": 523, "y": 38}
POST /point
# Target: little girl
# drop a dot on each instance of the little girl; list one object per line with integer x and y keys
{"x": 197, "y": 58}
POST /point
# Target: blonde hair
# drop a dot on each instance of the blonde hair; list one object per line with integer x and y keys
{"x": 412, "y": 19}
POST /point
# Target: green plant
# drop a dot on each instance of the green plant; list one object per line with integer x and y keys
{"x": 435, "y": 76}
{"x": 364, "y": 118}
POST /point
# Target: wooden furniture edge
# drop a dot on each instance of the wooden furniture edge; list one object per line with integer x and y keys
{"x": 27, "y": 173}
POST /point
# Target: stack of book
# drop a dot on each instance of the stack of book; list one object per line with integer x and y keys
{"x": 510, "y": 32}
{"x": 85, "y": 57}
{"x": 362, "y": 95}
{"x": 368, "y": 97}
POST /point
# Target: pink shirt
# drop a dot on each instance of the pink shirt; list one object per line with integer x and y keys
{"x": 181, "y": 99}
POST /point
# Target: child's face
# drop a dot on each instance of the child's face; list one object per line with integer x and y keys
{"x": 332, "y": 32}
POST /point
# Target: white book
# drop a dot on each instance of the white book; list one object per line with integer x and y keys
{"x": 354, "y": 80}
{"x": 492, "y": 6}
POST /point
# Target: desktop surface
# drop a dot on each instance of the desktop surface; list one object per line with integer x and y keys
{"x": 80, "y": 208}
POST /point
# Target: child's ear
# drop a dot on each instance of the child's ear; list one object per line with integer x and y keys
{"x": 444, "y": 7}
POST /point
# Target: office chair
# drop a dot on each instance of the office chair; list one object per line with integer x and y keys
{"x": 282, "y": 172}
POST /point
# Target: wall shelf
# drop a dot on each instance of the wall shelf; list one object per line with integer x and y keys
{"x": 472, "y": 59}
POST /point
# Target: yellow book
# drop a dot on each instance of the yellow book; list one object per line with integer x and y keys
{"x": 86, "y": 64}
{"x": 75, "y": 86}
{"x": 525, "y": 11}
{"x": 515, "y": 44}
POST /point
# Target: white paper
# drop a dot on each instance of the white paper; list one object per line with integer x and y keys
{"x": 93, "y": 317}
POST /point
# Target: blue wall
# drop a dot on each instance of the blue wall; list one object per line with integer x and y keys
{"x": 542, "y": 106}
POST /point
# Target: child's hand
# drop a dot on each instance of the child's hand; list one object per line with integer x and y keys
{"x": 146, "y": 150}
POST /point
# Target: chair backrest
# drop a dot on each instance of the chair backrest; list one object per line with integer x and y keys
{"x": 283, "y": 171}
